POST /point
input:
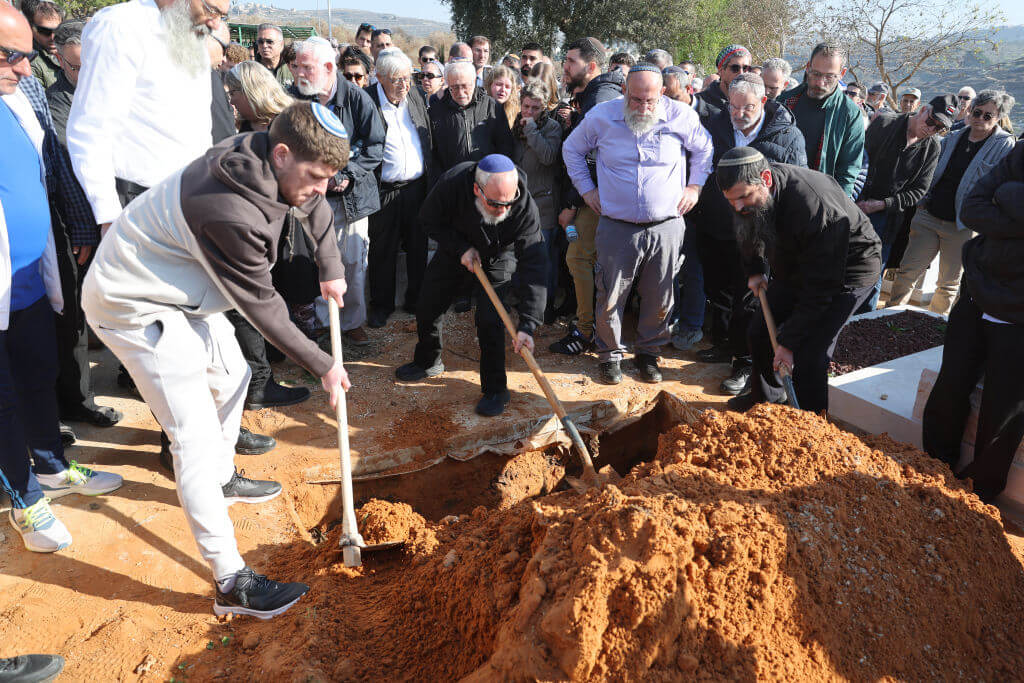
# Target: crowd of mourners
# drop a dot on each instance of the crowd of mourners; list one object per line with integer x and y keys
{"x": 194, "y": 204}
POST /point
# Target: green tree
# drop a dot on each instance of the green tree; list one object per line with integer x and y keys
{"x": 81, "y": 9}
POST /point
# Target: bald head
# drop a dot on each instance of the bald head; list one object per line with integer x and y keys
{"x": 15, "y": 34}
{"x": 643, "y": 90}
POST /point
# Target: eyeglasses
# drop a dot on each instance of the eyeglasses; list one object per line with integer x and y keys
{"x": 964, "y": 98}
{"x": 351, "y": 76}
{"x": 826, "y": 78}
{"x": 44, "y": 30}
{"x": 736, "y": 68}
{"x": 73, "y": 68}
{"x": 494, "y": 204}
{"x": 213, "y": 12}
{"x": 401, "y": 80}
{"x": 265, "y": 41}
{"x": 746, "y": 108}
{"x": 15, "y": 56}
{"x": 979, "y": 114}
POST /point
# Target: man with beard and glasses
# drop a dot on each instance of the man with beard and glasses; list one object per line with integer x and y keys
{"x": 480, "y": 213}
{"x": 823, "y": 257}
{"x": 644, "y": 189}
{"x": 142, "y": 111}
{"x": 353, "y": 192}
{"x": 830, "y": 121}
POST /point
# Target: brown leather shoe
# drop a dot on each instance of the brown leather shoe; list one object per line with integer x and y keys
{"x": 357, "y": 336}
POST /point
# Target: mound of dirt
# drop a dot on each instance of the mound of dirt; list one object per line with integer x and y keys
{"x": 767, "y": 545}
{"x": 381, "y": 522}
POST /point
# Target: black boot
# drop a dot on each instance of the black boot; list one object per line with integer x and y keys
{"x": 492, "y": 405}
{"x": 647, "y": 366}
{"x": 609, "y": 372}
{"x": 250, "y": 443}
{"x": 31, "y": 668}
{"x": 274, "y": 395}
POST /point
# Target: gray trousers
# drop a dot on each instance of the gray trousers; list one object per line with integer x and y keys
{"x": 354, "y": 246}
{"x": 649, "y": 258}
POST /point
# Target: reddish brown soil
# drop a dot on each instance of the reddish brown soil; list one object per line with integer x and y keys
{"x": 770, "y": 545}
{"x": 863, "y": 343}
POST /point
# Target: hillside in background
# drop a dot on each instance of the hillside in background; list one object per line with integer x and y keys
{"x": 349, "y": 18}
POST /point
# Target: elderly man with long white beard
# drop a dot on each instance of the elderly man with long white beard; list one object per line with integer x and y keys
{"x": 642, "y": 193}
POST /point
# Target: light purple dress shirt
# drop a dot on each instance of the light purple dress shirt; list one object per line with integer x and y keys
{"x": 641, "y": 177}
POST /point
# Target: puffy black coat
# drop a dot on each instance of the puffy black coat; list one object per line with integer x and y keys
{"x": 994, "y": 260}
{"x": 467, "y": 133}
{"x": 779, "y": 140}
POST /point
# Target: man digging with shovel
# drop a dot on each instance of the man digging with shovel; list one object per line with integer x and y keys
{"x": 480, "y": 213}
{"x": 192, "y": 247}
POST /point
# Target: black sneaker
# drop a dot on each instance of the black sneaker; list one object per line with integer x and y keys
{"x": 376, "y": 318}
{"x": 243, "y": 490}
{"x": 572, "y": 344}
{"x": 67, "y": 435}
{"x": 609, "y": 372}
{"x": 31, "y": 668}
{"x": 647, "y": 366}
{"x": 274, "y": 395}
{"x": 257, "y": 596}
{"x": 738, "y": 382}
{"x": 250, "y": 443}
{"x": 492, "y": 405}
{"x": 100, "y": 416}
{"x": 741, "y": 403}
{"x": 410, "y": 372}
{"x": 716, "y": 354}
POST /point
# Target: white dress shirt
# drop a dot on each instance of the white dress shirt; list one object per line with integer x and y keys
{"x": 403, "y": 154}
{"x": 136, "y": 115}
{"x": 745, "y": 140}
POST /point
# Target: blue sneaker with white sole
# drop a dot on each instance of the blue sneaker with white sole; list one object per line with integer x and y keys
{"x": 78, "y": 479}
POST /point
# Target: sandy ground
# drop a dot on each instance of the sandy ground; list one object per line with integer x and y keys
{"x": 132, "y": 600}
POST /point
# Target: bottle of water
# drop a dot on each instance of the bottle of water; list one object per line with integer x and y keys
{"x": 571, "y": 234}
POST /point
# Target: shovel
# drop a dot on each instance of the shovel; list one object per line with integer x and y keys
{"x": 784, "y": 370}
{"x": 352, "y": 544}
{"x": 590, "y": 475}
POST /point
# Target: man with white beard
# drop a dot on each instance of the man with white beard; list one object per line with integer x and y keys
{"x": 142, "y": 111}
{"x": 352, "y": 194}
{"x": 480, "y": 213}
{"x": 641, "y": 196}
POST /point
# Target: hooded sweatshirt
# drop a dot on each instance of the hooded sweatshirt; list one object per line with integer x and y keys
{"x": 202, "y": 242}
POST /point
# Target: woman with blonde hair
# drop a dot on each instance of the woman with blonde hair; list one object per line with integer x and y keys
{"x": 503, "y": 85}
{"x": 256, "y": 96}
{"x": 546, "y": 74}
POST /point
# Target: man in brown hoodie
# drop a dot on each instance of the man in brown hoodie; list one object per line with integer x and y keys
{"x": 194, "y": 246}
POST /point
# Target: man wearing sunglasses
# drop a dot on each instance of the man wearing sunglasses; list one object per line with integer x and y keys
{"x": 480, "y": 213}
{"x": 902, "y": 151}
{"x": 269, "y": 46}
{"x": 44, "y": 16}
{"x": 732, "y": 60}
{"x": 830, "y": 121}
{"x": 363, "y": 37}
{"x": 964, "y": 99}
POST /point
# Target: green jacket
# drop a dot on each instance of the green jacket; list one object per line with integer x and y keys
{"x": 842, "y": 149}
{"x": 283, "y": 74}
{"x": 45, "y": 68}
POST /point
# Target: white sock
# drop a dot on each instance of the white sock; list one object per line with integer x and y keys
{"x": 226, "y": 584}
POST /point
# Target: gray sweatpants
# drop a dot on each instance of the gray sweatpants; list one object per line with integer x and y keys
{"x": 648, "y": 257}
{"x": 354, "y": 246}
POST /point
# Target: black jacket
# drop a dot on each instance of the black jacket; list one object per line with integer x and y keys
{"x": 714, "y": 98}
{"x": 779, "y": 140}
{"x": 824, "y": 244}
{"x": 220, "y": 109}
{"x": 885, "y": 144}
{"x": 994, "y": 260}
{"x": 59, "y": 96}
{"x": 449, "y": 216}
{"x": 366, "y": 146}
{"x": 420, "y": 119}
{"x": 601, "y": 89}
{"x": 467, "y": 133}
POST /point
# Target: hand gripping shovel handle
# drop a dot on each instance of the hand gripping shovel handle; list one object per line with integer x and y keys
{"x": 549, "y": 392}
{"x": 351, "y": 542}
{"x": 784, "y": 372}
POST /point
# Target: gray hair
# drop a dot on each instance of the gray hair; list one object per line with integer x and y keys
{"x": 391, "y": 62}
{"x": 461, "y": 65}
{"x": 483, "y": 177}
{"x": 659, "y": 58}
{"x": 829, "y": 49}
{"x": 319, "y": 47}
{"x": 778, "y": 65}
{"x": 1003, "y": 100}
{"x": 69, "y": 33}
{"x": 456, "y": 50}
{"x": 270, "y": 27}
{"x": 535, "y": 89}
{"x": 748, "y": 83}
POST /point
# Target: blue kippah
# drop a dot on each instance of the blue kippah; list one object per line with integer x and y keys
{"x": 328, "y": 120}
{"x": 644, "y": 66}
{"x": 496, "y": 163}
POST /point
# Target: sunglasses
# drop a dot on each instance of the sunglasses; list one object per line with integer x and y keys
{"x": 354, "y": 76}
{"x": 44, "y": 30}
{"x": 736, "y": 68}
{"x": 379, "y": 31}
{"x": 494, "y": 204}
{"x": 979, "y": 114}
{"x": 935, "y": 123}
{"x": 964, "y": 98}
{"x": 430, "y": 77}
{"x": 426, "y": 60}
{"x": 265, "y": 41}
{"x": 366, "y": 27}
{"x": 15, "y": 56}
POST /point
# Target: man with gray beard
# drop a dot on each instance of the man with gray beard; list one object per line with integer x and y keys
{"x": 642, "y": 192}
{"x": 480, "y": 213}
{"x": 823, "y": 258}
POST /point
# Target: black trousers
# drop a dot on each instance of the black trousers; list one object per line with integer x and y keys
{"x": 254, "y": 350}
{"x": 732, "y": 303}
{"x": 811, "y": 358}
{"x": 394, "y": 226}
{"x": 73, "y": 375}
{"x": 976, "y": 347}
{"x": 442, "y": 282}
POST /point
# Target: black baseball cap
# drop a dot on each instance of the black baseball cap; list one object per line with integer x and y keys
{"x": 944, "y": 108}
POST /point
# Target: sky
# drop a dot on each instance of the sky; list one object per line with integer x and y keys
{"x": 432, "y": 9}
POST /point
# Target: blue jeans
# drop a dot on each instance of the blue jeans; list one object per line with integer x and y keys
{"x": 880, "y": 222}
{"x": 28, "y": 403}
{"x": 689, "y": 282}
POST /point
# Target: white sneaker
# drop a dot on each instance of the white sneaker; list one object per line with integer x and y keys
{"x": 40, "y": 530}
{"x": 78, "y": 479}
